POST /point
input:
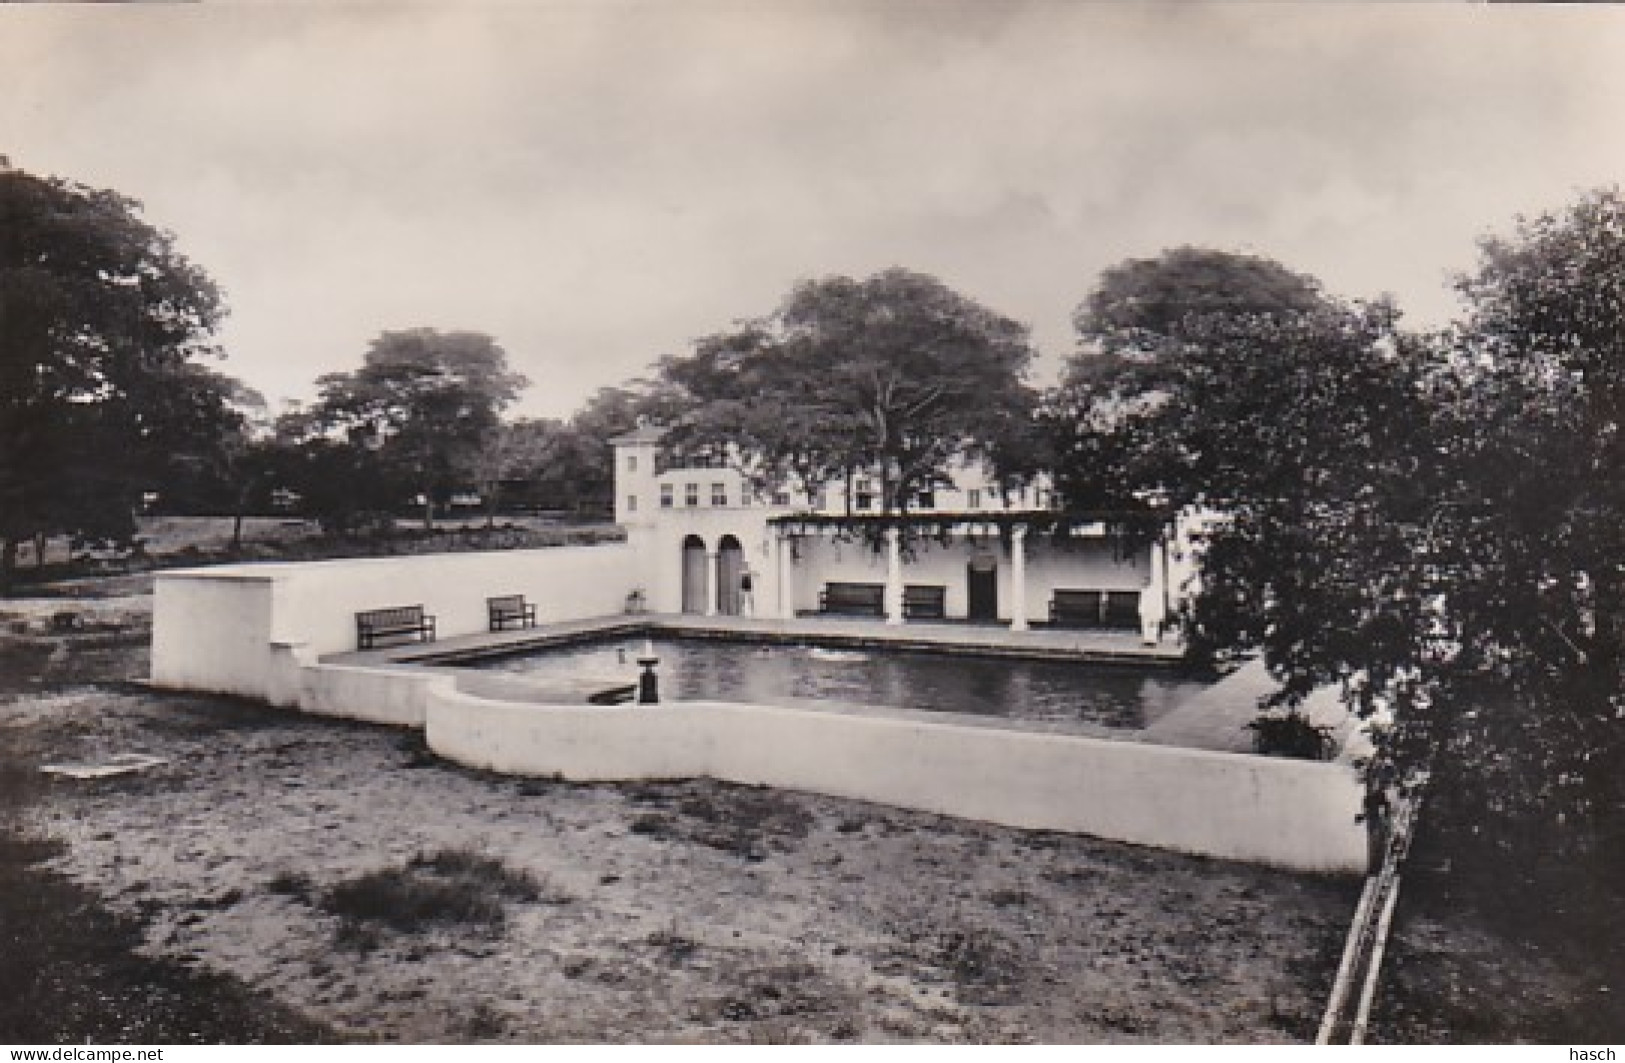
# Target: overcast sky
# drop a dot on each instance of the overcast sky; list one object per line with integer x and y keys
{"x": 599, "y": 183}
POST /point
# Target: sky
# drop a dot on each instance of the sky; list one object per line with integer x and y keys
{"x": 598, "y": 183}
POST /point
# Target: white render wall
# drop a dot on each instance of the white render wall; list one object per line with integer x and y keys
{"x": 1288, "y": 813}
{"x": 218, "y": 629}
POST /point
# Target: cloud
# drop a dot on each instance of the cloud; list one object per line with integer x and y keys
{"x": 597, "y": 184}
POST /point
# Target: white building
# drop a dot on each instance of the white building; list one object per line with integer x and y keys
{"x": 715, "y": 546}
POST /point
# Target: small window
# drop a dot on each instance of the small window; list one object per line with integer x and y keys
{"x": 973, "y": 498}
{"x": 691, "y": 494}
{"x": 631, "y": 463}
{"x": 719, "y": 494}
{"x": 864, "y": 500}
{"x": 926, "y": 500}
{"x": 666, "y": 496}
{"x": 631, "y": 503}
{"x": 781, "y": 498}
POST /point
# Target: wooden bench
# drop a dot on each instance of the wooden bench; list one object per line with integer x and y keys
{"x": 853, "y": 599}
{"x": 1099, "y": 609}
{"x": 398, "y": 620}
{"x": 509, "y": 609}
{"x": 925, "y": 602}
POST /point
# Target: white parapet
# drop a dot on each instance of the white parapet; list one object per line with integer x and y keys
{"x": 1288, "y": 813}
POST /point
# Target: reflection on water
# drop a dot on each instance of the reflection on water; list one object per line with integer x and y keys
{"x": 697, "y": 669}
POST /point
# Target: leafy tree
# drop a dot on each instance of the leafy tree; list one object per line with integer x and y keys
{"x": 1437, "y": 523}
{"x": 101, "y": 320}
{"x": 897, "y": 375}
{"x": 424, "y": 403}
{"x": 1141, "y": 315}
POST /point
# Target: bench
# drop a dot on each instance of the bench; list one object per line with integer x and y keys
{"x": 397, "y": 620}
{"x": 853, "y": 599}
{"x": 1100, "y": 609}
{"x": 510, "y": 609}
{"x": 923, "y": 602}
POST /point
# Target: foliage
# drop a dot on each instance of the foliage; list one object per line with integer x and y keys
{"x": 420, "y": 411}
{"x": 1143, "y": 311}
{"x": 101, "y": 320}
{"x": 1436, "y": 523}
{"x": 896, "y": 376}
{"x": 1290, "y": 735}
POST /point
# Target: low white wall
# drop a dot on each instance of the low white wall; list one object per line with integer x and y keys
{"x": 211, "y": 630}
{"x": 317, "y": 602}
{"x": 1288, "y": 813}
{"x": 222, "y": 629}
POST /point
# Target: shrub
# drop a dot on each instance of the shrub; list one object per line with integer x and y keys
{"x": 1292, "y": 735}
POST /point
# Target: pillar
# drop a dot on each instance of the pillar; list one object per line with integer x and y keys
{"x": 787, "y": 577}
{"x": 712, "y": 559}
{"x": 1018, "y": 578}
{"x": 894, "y": 576}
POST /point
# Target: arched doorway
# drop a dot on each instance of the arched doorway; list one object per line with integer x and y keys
{"x": 694, "y": 574}
{"x": 730, "y": 567}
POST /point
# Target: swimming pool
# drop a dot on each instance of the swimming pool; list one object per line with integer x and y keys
{"x": 1064, "y": 692}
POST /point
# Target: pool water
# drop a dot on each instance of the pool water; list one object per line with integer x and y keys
{"x": 1115, "y": 696}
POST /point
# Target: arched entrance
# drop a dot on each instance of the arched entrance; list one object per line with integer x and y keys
{"x": 730, "y": 567}
{"x": 694, "y": 574}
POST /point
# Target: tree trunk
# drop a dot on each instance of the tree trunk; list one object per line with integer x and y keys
{"x": 40, "y": 540}
{"x": 428, "y": 511}
{"x": 237, "y": 530}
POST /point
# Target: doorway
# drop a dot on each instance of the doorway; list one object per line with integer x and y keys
{"x": 730, "y": 567}
{"x": 982, "y": 588}
{"x": 694, "y": 575}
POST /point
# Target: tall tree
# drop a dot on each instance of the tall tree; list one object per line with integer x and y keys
{"x": 1436, "y": 523}
{"x": 895, "y": 375}
{"x": 101, "y": 323}
{"x": 425, "y": 403}
{"x": 1141, "y": 314}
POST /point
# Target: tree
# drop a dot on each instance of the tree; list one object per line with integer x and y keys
{"x": 1142, "y": 313}
{"x": 424, "y": 403}
{"x": 101, "y": 320}
{"x": 1435, "y": 523}
{"x": 897, "y": 375}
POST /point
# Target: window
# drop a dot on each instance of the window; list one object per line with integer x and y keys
{"x": 781, "y": 498}
{"x": 719, "y": 494}
{"x": 926, "y": 500}
{"x": 631, "y": 503}
{"x": 863, "y": 500}
{"x": 973, "y": 498}
{"x": 665, "y": 496}
{"x": 631, "y": 463}
{"x": 691, "y": 494}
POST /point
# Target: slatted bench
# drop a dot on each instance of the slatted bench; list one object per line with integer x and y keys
{"x": 853, "y": 599}
{"x": 396, "y": 621}
{"x": 925, "y": 602}
{"x": 1097, "y": 609}
{"x": 510, "y": 610}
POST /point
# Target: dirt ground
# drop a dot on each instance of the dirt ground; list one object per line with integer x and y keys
{"x": 691, "y": 912}
{"x": 192, "y": 901}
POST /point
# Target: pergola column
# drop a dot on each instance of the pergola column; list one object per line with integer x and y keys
{"x": 712, "y": 559}
{"x": 894, "y": 576}
{"x": 1018, "y": 578}
{"x": 787, "y": 577}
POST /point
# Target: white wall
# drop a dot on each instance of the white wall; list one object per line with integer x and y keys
{"x": 1289, "y": 813}
{"x": 211, "y": 631}
{"x": 218, "y": 629}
